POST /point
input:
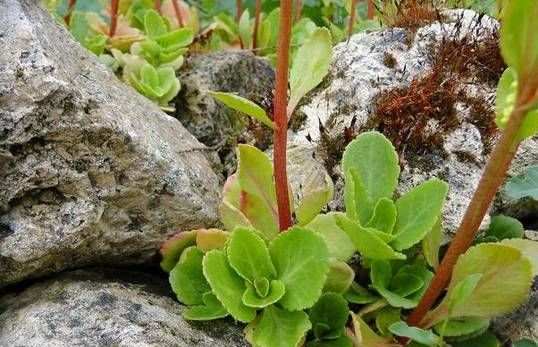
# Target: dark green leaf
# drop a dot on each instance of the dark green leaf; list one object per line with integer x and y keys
{"x": 331, "y": 311}
{"x": 504, "y": 227}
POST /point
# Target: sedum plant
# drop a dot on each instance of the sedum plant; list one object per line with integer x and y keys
{"x": 299, "y": 277}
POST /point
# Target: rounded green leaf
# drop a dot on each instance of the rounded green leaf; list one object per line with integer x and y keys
{"x": 301, "y": 259}
{"x": 384, "y": 216}
{"x": 357, "y": 294}
{"x": 187, "y": 278}
{"x": 331, "y": 311}
{"x": 227, "y": 285}
{"x": 524, "y": 185}
{"x": 154, "y": 24}
{"x": 418, "y": 211}
{"x": 461, "y": 327}
{"x": 385, "y": 318}
{"x": 280, "y": 328}
{"x": 375, "y": 161}
{"x": 173, "y": 247}
{"x": 340, "y": 245}
{"x": 248, "y": 255}
{"x": 504, "y": 227}
{"x": 340, "y": 277}
{"x": 210, "y": 239}
{"x": 210, "y": 310}
{"x": 529, "y": 249}
{"x": 275, "y": 292}
{"x": 425, "y": 337}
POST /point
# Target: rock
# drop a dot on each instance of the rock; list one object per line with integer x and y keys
{"x": 373, "y": 67}
{"x": 213, "y": 123}
{"x": 106, "y": 307}
{"x": 91, "y": 172}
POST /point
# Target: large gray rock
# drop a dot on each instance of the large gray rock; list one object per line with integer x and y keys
{"x": 375, "y": 63}
{"x": 107, "y": 307}
{"x": 212, "y": 123}
{"x": 91, "y": 172}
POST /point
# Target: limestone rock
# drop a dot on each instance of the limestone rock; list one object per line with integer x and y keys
{"x": 91, "y": 172}
{"x": 106, "y": 307}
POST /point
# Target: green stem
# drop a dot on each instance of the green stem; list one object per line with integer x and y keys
{"x": 280, "y": 115}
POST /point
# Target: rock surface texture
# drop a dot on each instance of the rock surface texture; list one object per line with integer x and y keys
{"x": 107, "y": 307}
{"x": 213, "y": 123}
{"x": 459, "y": 132}
{"x": 91, "y": 172}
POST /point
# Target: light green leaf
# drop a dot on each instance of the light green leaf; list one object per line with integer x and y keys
{"x": 210, "y": 239}
{"x": 329, "y": 316}
{"x": 464, "y": 289}
{"x": 340, "y": 245}
{"x": 154, "y": 24}
{"x": 384, "y": 216}
{"x": 248, "y": 255}
{"x": 367, "y": 337}
{"x": 519, "y": 43}
{"x": 367, "y": 242}
{"x": 425, "y": 337}
{"x": 210, "y": 310}
{"x": 241, "y": 104}
{"x": 375, "y": 162}
{"x": 252, "y": 299}
{"x": 504, "y": 285}
{"x": 187, "y": 278}
{"x": 175, "y": 39}
{"x": 340, "y": 277}
{"x": 462, "y": 327}
{"x": 310, "y": 65}
{"x": 173, "y": 247}
{"x": 280, "y": 328}
{"x": 528, "y": 248}
{"x": 227, "y": 285}
{"x": 245, "y": 29}
{"x": 431, "y": 244}
{"x": 312, "y": 203}
{"x": 418, "y": 211}
{"x": 301, "y": 259}
{"x": 79, "y": 26}
{"x": 230, "y": 213}
{"x": 385, "y": 318}
{"x": 524, "y": 185}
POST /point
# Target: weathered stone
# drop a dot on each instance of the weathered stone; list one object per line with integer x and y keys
{"x": 91, "y": 172}
{"x": 213, "y": 123}
{"x": 345, "y": 103}
{"x": 106, "y": 307}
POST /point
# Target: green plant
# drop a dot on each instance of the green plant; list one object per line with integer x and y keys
{"x": 294, "y": 288}
{"x": 524, "y": 185}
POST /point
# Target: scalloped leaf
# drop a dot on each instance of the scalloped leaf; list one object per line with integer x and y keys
{"x": 357, "y": 294}
{"x": 367, "y": 337}
{"x": 244, "y": 105}
{"x": 154, "y": 24}
{"x": 248, "y": 255}
{"x": 431, "y": 244}
{"x": 187, "y": 278}
{"x": 301, "y": 259}
{"x": 210, "y": 310}
{"x": 173, "y": 247}
{"x": 385, "y": 318}
{"x": 529, "y": 249}
{"x": 280, "y": 328}
{"x": 504, "y": 285}
{"x": 461, "y": 327}
{"x": 374, "y": 163}
{"x": 339, "y": 278}
{"x": 384, "y": 217}
{"x": 227, "y": 285}
{"x": 210, "y": 239}
{"x": 275, "y": 292}
{"x": 367, "y": 242}
{"x": 330, "y": 313}
{"x": 524, "y": 185}
{"x": 340, "y": 245}
{"x": 418, "y": 211}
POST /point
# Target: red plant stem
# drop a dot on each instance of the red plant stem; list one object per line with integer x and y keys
{"x": 113, "y": 17}
{"x": 281, "y": 118}
{"x": 492, "y": 178}
{"x": 178, "y": 14}
{"x": 371, "y": 9}
{"x": 239, "y": 7}
{"x": 298, "y": 10}
{"x": 70, "y": 7}
{"x": 257, "y": 16}
{"x": 351, "y": 19}
{"x": 158, "y": 6}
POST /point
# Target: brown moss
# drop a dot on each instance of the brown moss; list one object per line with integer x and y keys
{"x": 416, "y": 118}
{"x": 411, "y": 14}
{"x": 389, "y": 60}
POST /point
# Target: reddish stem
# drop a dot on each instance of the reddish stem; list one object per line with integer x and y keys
{"x": 239, "y": 7}
{"x": 178, "y": 14}
{"x": 113, "y": 17}
{"x": 158, "y": 6}
{"x": 371, "y": 9}
{"x": 351, "y": 19}
{"x": 492, "y": 178}
{"x": 257, "y": 16}
{"x": 70, "y": 7}
{"x": 298, "y": 10}
{"x": 281, "y": 118}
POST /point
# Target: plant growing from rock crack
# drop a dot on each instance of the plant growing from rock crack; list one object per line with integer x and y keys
{"x": 289, "y": 280}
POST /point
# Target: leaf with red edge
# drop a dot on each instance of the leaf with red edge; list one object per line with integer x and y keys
{"x": 173, "y": 247}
